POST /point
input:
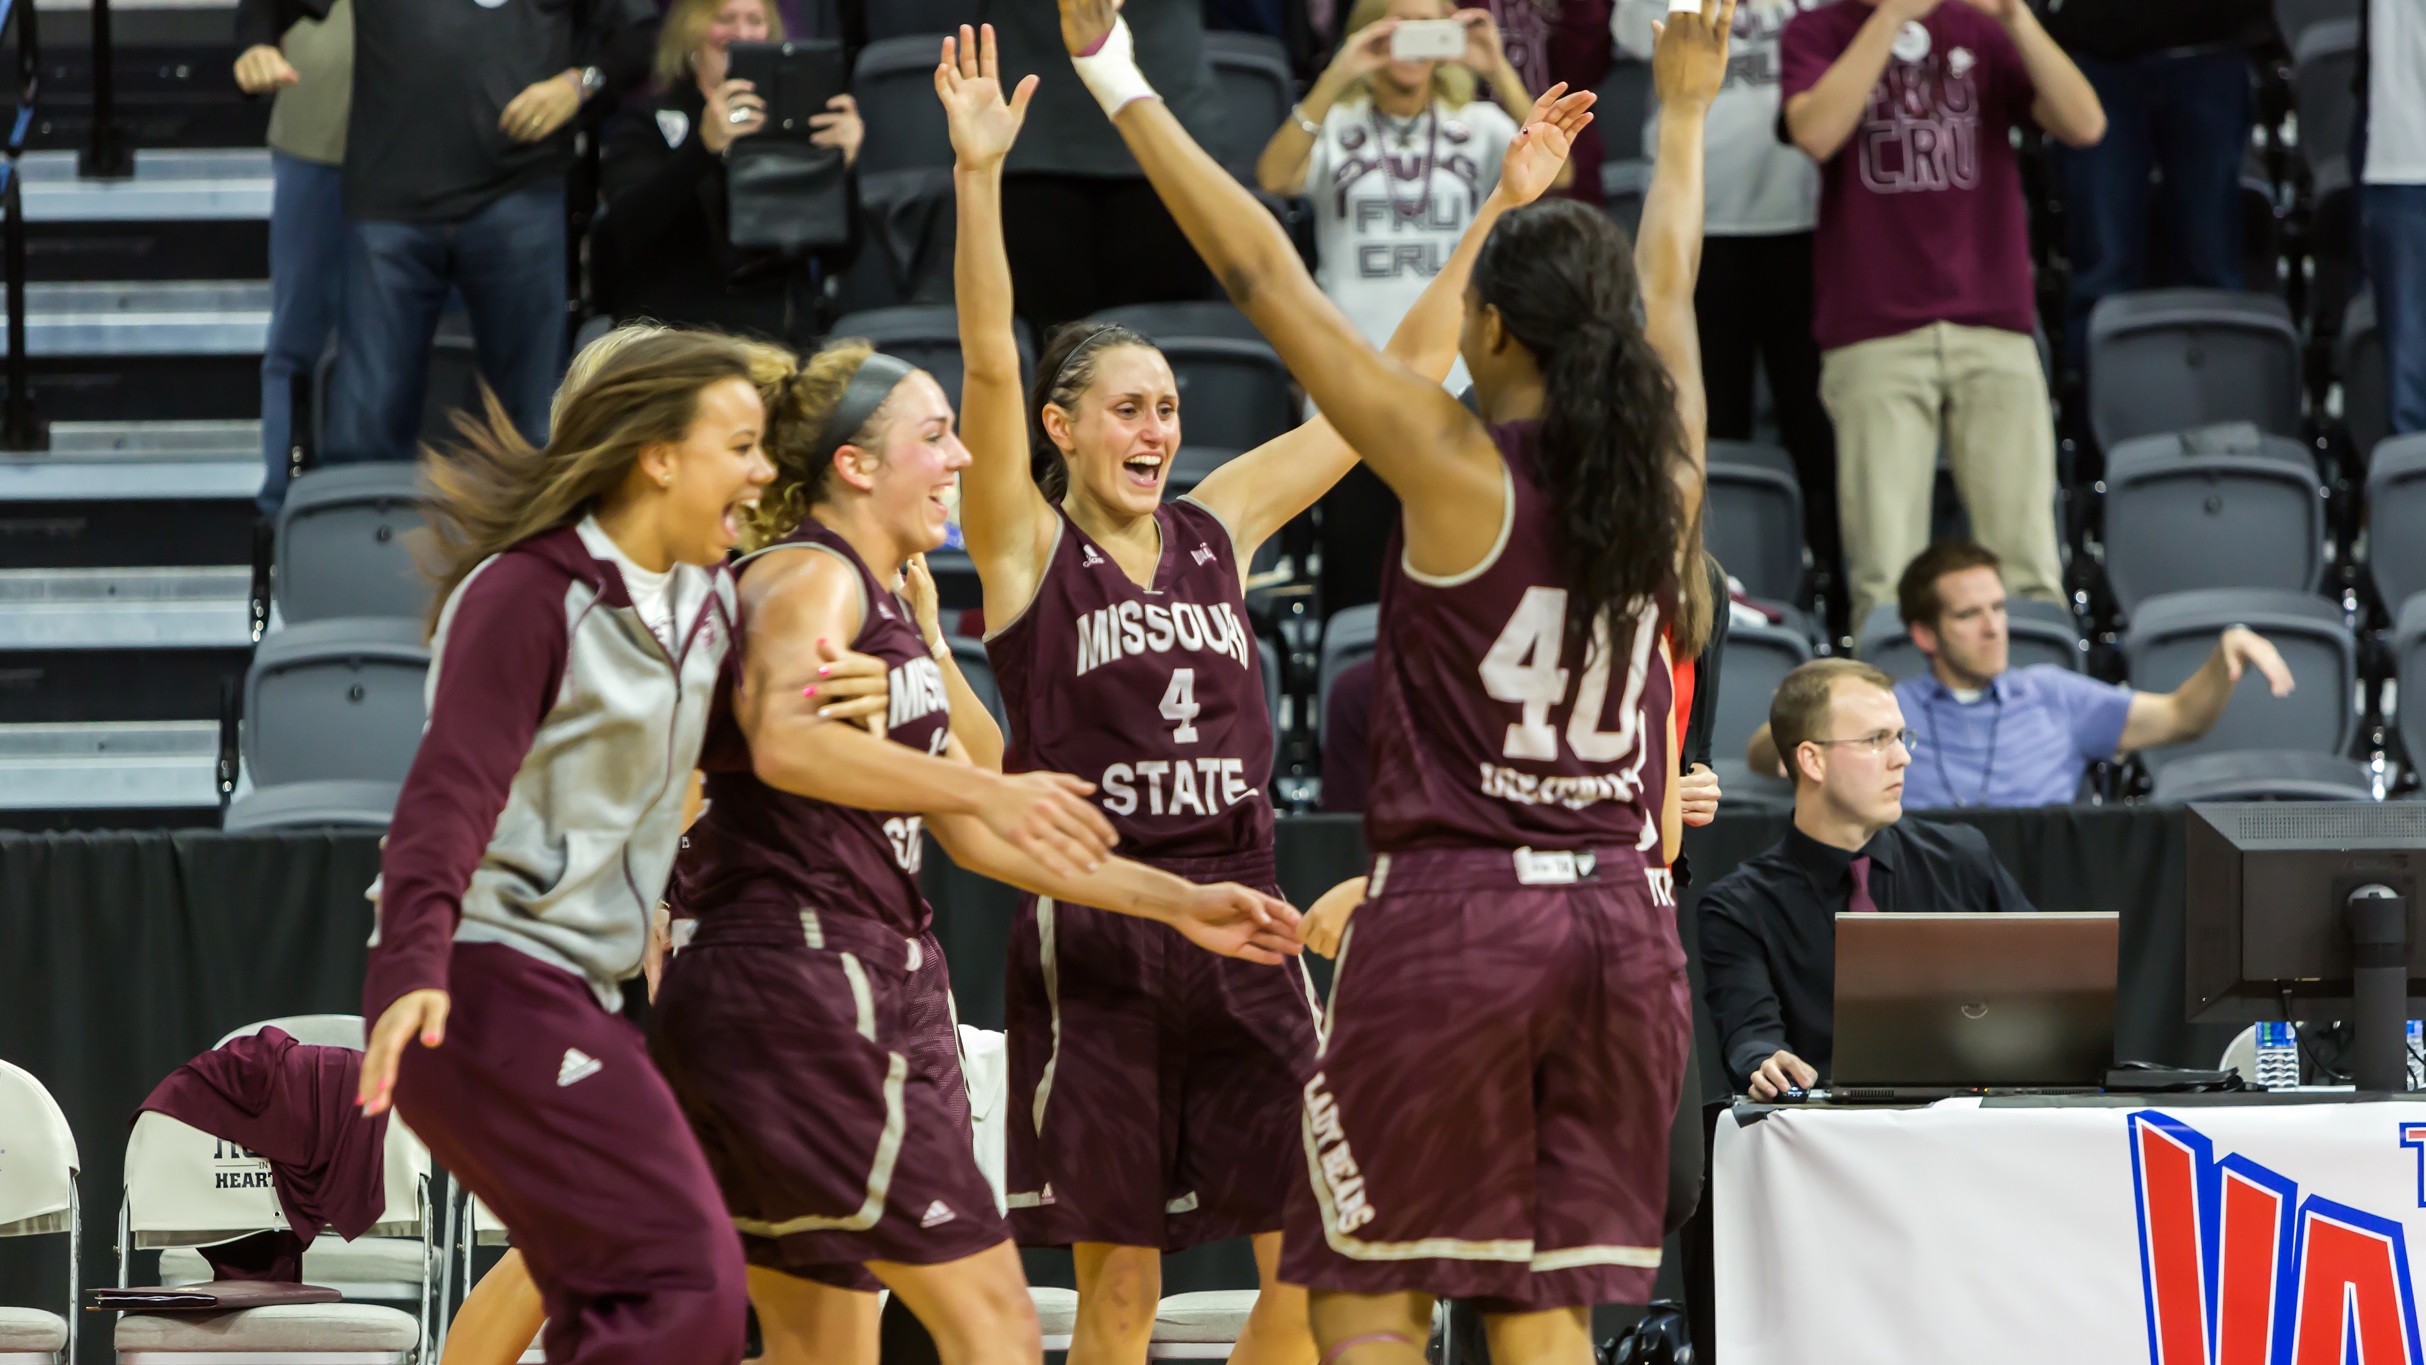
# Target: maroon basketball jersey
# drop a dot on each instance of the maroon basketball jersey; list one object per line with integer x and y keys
{"x": 1488, "y": 726}
{"x": 756, "y": 844}
{"x": 1155, "y": 694}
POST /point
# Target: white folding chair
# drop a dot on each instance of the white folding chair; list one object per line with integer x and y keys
{"x": 38, "y": 1166}
{"x": 187, "y": 1189}
{"x": 1200, "y": 1326}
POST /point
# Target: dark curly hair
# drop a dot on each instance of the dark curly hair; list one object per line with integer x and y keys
{"x": 1064, "y": 372}
{"x": 1562, "y": 277}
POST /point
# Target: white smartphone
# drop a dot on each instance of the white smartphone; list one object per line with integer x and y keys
{"x": 1427, "y": 40}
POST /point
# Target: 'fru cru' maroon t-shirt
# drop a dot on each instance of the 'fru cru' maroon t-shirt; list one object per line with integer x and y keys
{"x": 1921, "y": 215}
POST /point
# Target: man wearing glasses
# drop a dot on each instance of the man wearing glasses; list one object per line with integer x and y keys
{"x": 1768, "y": 929}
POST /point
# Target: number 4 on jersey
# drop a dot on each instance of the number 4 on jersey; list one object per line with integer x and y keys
{"x": 1522, "y": 669}
{"x": 1179, "y": 705}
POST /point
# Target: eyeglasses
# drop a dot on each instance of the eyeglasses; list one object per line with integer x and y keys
{"x": 1877, "y": 744}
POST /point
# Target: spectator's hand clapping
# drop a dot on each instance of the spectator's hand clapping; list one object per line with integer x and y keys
{"x": 542, "y": 108}
{"x": 1689, "y": 54}
{"x": 732, "y": 111}
{"x": 262, "y": 69}
{"x": 1534, "y": 158}
{"x": 839, "y": 127}
{"x": 967, "y": 81}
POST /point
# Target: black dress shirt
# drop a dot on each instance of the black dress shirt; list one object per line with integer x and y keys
{"x": 1768, "y": 929}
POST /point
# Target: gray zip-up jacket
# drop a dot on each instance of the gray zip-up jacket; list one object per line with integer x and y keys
{"x": 544, "y": 807}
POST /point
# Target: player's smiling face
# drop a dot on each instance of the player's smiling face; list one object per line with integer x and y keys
{"x": 912, "y": 481}
{"x": 1122, "y": 439}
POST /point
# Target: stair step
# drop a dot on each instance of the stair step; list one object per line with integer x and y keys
{"x": 137, "y": 461}
{"x": 207, "y": 608}
{"x": 173, "y": 184}
{"x": 148, "y": 318}
{"x": 109, "y": 765}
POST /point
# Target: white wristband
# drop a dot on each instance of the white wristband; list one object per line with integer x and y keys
{"x": 1684, "y": 6}
{"x": 1110, "y": 71}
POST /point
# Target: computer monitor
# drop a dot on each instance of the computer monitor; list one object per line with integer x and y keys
{"x": 2310, "y": 909}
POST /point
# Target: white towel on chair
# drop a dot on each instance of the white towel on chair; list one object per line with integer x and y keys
{"x": 985, "y": 1065}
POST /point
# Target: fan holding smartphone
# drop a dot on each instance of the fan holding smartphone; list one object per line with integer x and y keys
{"x": 728, "y": 194}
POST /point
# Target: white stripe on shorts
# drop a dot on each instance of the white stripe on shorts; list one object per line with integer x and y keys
{"x": 1050, "y": 961}
{"x": 863, "y": 1000}
{"x": 880, "y": 1171}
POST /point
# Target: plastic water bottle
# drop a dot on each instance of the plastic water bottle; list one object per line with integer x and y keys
{"x": 2278, "y": 1056}
{"x": 2417, "y": 1055}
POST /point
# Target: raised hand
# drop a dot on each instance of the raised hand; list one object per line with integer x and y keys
{"x": 1689, "y": 55}
{"x": 1086, "y": 23}
{"x": 969, "y": 83}
{"x": 1234, "y": 921}
{"x": 1541, "y": 146}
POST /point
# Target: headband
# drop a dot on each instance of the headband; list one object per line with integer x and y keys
{"x": 1096, "y": 341}
{"x": 872, "y": 383}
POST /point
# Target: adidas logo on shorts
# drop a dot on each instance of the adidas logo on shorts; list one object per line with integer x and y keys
{"x": 578, "y": 1066}
{"x": 938, "y": 1214}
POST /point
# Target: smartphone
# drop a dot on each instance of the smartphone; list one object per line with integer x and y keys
{"x": 1427, "y": 40}
{"x": 795, "y": 79}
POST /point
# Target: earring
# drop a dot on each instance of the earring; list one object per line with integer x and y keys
{"x": 665, "y": 481}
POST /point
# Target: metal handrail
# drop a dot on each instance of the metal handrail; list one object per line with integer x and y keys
{"x": 19, "y": 429}
{"x": 107, "y": 155}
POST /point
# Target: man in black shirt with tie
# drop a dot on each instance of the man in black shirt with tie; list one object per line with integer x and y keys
{"x": 1768, "y": 929}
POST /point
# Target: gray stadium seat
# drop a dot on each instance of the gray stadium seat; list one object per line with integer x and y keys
{"x": 341, "y": 548}
{"x": 2172, "y": 359}
{"x": 928, "y": 19}
{"x": 2324, "y": 71}
{"x": 1234, "y": 395}
{"x": 2396, "y": 514}
{"x": 1252, "y": 73}
{"x": 979, "y": 670}
{"x": 2359, "y": 360}
{"x": 2292, "y": 17}
{"x": 2035, "y": 632}
{"x": 1351, "y": 634}
{"x": 894, "y": 82}
{"x": 1740, "y": 788}
{"x": 1758, "y": 658}
{"x": 335, "y": 700}
{"x": 1753, "y": 520}
{"x": 1195, "y": 318}
{"x": 310, "y": 805}
{"x": 2409, "y": 667}
{"x": 2179, "y": 518}
{"x": 926, "y": 335}
{"x": 2263, "y": 775}
{"x": 2171, "y": 637}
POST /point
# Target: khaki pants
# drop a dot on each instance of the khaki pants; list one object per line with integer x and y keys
{"x": 1979, "y": 391}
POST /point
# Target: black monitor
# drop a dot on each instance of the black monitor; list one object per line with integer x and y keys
{"x": 2311, "y": 909}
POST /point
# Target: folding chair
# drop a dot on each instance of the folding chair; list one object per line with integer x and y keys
{"x": 1201, "y": 1326}
{"x": 185, "y": 1188}
{"x": 341, "y": 548}
{"x": 38, "y": 1197}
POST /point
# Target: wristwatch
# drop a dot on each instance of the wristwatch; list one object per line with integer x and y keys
{"x": 1310, "y": 127}
{"x": 592, "y": 80}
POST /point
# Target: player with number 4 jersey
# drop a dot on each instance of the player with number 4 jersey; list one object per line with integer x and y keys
{"x": 1489, "y": 1116}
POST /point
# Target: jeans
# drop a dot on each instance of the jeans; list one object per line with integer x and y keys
{"x": 2185, "y": 117}
{"x": 307, "y": 279}
{"x": 2394, "y": 228}
{"x": 507, "y": 261}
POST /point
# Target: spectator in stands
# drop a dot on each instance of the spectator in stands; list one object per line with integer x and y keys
{"x": 1994, "y": 736}
{"x": 1396, "y": 156}
{"x": 663, "y": 239}
{"x": 1922, "y": 290}
{"x": 1753, "y": 302}
{"x": 2392, "y": 204}
{"x": 455, "y": 177}
{"x": 308, "y": 64}
{"x": 1768, "y": 928}
{"x": 2176, "y": 81}
{"x": 1083, "y": 229}
{"x": 1560, "y": 40}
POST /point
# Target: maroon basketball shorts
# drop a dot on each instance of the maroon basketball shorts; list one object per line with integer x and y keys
{"x": 1489, "y": 1115}
{"x": 816, "y": 1058}
{"x": 545, "y": 1106}
{"x": 1153, "y": 1084}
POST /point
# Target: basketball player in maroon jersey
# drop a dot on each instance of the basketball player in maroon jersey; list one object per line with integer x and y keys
{"x": 1490, "y": 1117}
{"x": 1155, "y": 1090}
{"x": 806, "y": 1027}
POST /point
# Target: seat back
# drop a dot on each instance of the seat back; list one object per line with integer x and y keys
{"x": 2263, "y": 775}
{"x": 1759, "y": 656}
{"x": 929, "y": 19}
{"x": 926, "y": 335}
{"x": 979, "y": 670}
{"x": 2179, "y": 521}
{"x": 2171, "y": 359}
{"x": 1251, "y": 72}
{"x": 2359, "y": 360}
{"x": 2409, "y": 668}
{"x": 2324, "y": 74}
{"x": 1233, "y": 394}
{"x": 187, "y": 1188}
{"x": 1351, "y": 634}
{"x": 341, "y": 547}
{"x": 2396, "y": 517}
{"x": 2171, "y": 637}
{"x": 336, "y": 700}
{"x": 315, "y": 1030}
{"x": 314, "y": 805}
{"x": 894, "y": 82}
{"x": 1753, "y": 522}
{"x": 38, "y": 1178}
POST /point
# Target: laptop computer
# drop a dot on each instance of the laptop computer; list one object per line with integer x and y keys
{"x": 1934, "y": 1005}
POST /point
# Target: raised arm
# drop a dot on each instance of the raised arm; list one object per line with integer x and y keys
{"x": 801, "y": 598}
{"x": 1257, "y": 493}
{"x": 1008, "y": 523}
{"x": 2066, "y": 106}
{"x": 1434, "y": 454}
{"x": 1821, "y": 120}
{"x": 1688, "y": 65}
{"x": 1282, "y": 167}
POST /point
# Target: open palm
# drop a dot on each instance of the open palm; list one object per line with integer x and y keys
{"x": 1541, "y": 146}
{"x": 969, "y": 83}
